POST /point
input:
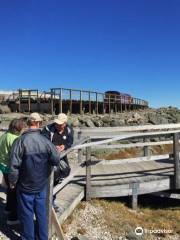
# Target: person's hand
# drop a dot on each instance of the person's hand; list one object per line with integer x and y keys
{"x": 60, "y": 148}
{"x": 12, "y": 186}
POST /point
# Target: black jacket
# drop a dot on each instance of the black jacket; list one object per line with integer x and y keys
{"x": 31, "y": 157}
{"x": 50, "y": 129}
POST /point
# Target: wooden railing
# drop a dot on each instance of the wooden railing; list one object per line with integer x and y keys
{"x": 170, "y": 129}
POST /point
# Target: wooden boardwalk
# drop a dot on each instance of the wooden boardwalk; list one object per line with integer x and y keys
{"x": 117, "y": 179}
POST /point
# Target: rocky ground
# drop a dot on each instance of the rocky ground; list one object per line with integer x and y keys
{"x": 138, "y": 117}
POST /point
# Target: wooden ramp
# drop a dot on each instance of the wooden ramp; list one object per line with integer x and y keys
{"x": 115, "y": 180}
{"x": 68, "y": 199}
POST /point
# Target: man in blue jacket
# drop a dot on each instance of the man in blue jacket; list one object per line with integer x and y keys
{"x": 31, "y": 159}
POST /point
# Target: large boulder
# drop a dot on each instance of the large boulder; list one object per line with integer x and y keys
{"x": 157, "y": 119}
{"x": 4, "y": 109}
{"x": 97, "y": 122}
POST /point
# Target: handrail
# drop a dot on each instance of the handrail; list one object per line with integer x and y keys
{"x": 127, "y": 128}
{"x": 123, "y": 137}
{"x": 94, "y": 144}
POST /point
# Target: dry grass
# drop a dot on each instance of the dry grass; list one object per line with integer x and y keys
{"x": 120, "y": 220}
{"x": 136, "y": 152}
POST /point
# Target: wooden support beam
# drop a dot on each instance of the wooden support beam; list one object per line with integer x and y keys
{"x": 60, "y": 101}
{"x": 49, "y": 201}
{"x": 20, "y": 96}
{"x": 70, "y": 93}
{"x": 109, "y": 100}
{"x": 121, "y": 104}
{"x": 80, "y": 102}
{"x": 135, "y": 190}
{"x": 97, "y": 104}
{"x": 29, "y": 101}
{"x": 80, "y": 152}
{"x": 89, "y": 102}
{"x": 58, "y": 230}
{"x": 115, "y": 104}
{"x": 104, "y": 111}
{"x": 52, "y": 102}
{"x": 88, "y": 173}
{"x": 176, "y": 159}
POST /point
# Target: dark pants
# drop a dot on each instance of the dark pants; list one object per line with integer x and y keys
{"x": 11, "y": 200}
{"x": 30, "y": 204}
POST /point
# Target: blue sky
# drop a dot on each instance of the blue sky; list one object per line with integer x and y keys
{"x": 128, "y": 45}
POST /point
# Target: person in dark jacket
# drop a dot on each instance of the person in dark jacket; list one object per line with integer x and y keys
{"x": 31, "y": 158}
{"x": 61, "y": 135}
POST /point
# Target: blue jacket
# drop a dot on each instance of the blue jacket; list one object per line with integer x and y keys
{"x": 31, "y": 158}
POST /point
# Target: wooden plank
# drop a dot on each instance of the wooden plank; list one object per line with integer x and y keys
{"x": 97, "y": 104}
{"x": 68, "y": 199}
{"x": 131, "y": 145}
{"x": 89, "y": 102}
{"x": 70, "y": 93}
{"x": 138, "y": 159}
{"x": 57, "y": 226}
{"x": 80, "y": 152}
{"x": 130, "y": 128}
{"x": 60, "y": 101}
{"x": 126, "y": 174}
{"x": 49, "y": 201}
{"x": 80, "y": 102}
{"x": 88, "y": 173}
{"x": 135, "y": 190}
{"x": 52, "y": 102}
{"x": 124, "y": 190}
{"x": 122, "y": 137}
{"x": 176, "y": 159}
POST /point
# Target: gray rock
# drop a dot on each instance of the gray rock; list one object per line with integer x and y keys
{"x": 98, "y": 122}
{"x": 89, "y": 123}
{"x": 157, "y": 119}
{"x": 114, "y": 123}
{"x": 4, "y": 109}
{"x": 106, "y": 119}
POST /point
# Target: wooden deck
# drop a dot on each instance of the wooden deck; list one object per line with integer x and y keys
{"x": 116, "y": 180}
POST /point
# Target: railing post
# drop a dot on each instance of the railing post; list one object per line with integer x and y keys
{"x": 49, "y": 202}
{"x": 79, "y": 150}
{"x": 70, "y": 93}
{"x": 60, "y": 101}
{"x": 81, "y": 102}
{"x": 135, "y": 189}
{"x": 145, "y": 148}
{"x": 29, "y": 101}
{"x": 97, "y": 104}
{"x": 88, "y": 173}
{"x": 20, "y": 96}
{"x": 52, "y": 102}
{"x": 176, "y": 160}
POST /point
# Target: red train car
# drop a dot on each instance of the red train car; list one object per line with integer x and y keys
{"x": 113, "y": 96}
